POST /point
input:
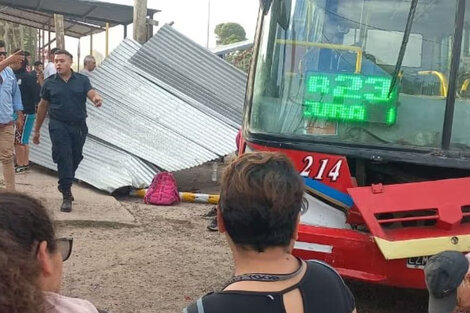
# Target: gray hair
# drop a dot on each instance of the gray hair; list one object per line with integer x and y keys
{"x": 88, "y": 58}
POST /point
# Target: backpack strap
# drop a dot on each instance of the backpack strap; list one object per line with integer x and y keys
{"x": 196, "y": 307}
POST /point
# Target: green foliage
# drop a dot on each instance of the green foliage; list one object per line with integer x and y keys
{"x": 240, "y": 59}
{"x": 18, "y": 37}
{"x": 228, "y": 33}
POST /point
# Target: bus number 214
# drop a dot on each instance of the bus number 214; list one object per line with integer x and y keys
{"x": 333, "y": 173}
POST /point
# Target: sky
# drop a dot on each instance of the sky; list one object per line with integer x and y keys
{"x": 190, "y": 17}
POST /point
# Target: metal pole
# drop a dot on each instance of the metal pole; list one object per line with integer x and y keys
{"x": 454, "y": 69}
{"x": 125, "y": 31}
{"x": 49, "y": 37}
{"x": 107, "y": 39}
{"x": 140, "y": 20}
{"x": 43, "y": 43}
{"x": 91, "y": 43}
{"x": 208, "y": 22}
{"x": 38, "y": 50}
{"x": 78, "y": 55}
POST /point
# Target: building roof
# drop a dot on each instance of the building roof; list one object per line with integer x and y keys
{"x": 81, "y": 17}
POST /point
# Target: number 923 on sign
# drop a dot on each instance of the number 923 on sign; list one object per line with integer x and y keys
{"x": 350, "y": 97}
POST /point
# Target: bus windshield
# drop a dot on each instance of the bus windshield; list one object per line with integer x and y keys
{"x": 325, "y": 67}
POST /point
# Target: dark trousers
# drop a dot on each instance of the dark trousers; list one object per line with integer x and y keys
{"x": 67, "y": 148}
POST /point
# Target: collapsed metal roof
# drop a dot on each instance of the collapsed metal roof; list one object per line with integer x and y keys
{"x": 146, "y": 124}
{"x": 81, "y": 17}
{"x": 157, "y": 126}
{"x": 105, "y": 167}
{"x": 193, "y": 70}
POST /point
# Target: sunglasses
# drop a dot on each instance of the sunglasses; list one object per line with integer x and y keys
{"x": 64, "y": 246}
{"x": 3, "y": 53}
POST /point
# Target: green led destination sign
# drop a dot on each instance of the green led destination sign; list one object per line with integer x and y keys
{"x": 350, "y": 97}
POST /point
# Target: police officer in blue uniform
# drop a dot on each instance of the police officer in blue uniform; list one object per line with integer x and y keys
{"x": 64, "y": 96}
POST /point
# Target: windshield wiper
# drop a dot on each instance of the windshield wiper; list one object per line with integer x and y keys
{"x": 404, "y": 44}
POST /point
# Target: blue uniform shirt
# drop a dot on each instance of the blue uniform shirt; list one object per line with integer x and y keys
{"x": 67, "y": 100}
{"x": 10, "y": 96}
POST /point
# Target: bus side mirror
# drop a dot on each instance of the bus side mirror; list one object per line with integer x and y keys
{"x": 265, "y": 5}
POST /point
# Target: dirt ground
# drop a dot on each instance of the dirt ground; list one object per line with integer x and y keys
{"x": 170, "y": 260}
{"x": 163, "y": 258}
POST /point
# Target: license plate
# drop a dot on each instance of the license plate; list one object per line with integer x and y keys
{"x": 417, "y": 262}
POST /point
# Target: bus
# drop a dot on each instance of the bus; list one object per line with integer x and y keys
{"x": 370, "y": 99}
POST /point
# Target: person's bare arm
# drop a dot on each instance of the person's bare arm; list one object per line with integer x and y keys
{"x": 95, "y": 98}
{"x": 15, "y": 57}
{"x": 40, "y": 116}
{"x": 355, "y": 311}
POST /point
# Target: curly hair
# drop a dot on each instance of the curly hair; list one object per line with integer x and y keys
{"x": 24, "y": 222}
{"x": 18, "y": 272}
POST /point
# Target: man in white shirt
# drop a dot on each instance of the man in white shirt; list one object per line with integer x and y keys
{"x": 50, "y": 70}
{"x": 89, "y": 65}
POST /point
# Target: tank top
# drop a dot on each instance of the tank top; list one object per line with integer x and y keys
{"x": 321, "y": 287}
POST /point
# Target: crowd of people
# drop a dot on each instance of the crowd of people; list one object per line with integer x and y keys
{"x": 258, "y": 212}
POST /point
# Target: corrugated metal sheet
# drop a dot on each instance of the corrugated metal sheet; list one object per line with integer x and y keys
{"x": 144, "y": 124}
{"x": 157, "y": 126}
{"x": 191, "y": 69}
{"x": 104, "y": 167}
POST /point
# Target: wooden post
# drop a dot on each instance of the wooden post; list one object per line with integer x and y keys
{"x": 59, "y": 31}
{"x": 140, "y": 20}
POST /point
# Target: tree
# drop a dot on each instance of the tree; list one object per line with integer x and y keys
{"x": 240, "y": 59}
{"x": 18, "y": 37}
{"x": 228, "y": 33}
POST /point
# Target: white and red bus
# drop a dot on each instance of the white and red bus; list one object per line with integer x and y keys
{"x": 369, "y": 100}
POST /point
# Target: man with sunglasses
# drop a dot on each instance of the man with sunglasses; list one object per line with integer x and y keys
{"x": 10, "y": 103}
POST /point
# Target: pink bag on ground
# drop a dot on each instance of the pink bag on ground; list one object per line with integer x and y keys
{"x": 163, "y": 190}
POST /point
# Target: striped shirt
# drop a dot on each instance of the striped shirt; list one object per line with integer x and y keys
{"x": 10, "y": 96}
